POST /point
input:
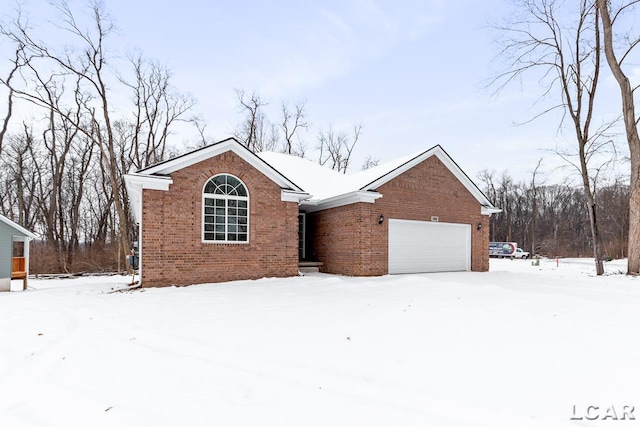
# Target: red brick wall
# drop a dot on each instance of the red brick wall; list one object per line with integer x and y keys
{"x": 348, "y": 239}
{"x": 342, "y": 238}
{"x": 172, "y": 249}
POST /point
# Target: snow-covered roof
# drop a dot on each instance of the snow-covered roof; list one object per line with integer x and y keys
{"x": 313, "y": 186}
{"x": 329, "y": 188}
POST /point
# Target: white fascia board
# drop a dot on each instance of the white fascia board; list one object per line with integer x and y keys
{"x": 293, "y": 196}
{"x": 216, "y": 149}
{"x": 188, "y": 159}
{"x": 136, "y": 182}
{"x": 341, "y": 200}
{"x": 17, "y": 227}
{"x": 489, "y": 210}
{"x": 147, "y": 182}
{"x": 446, "y": 160}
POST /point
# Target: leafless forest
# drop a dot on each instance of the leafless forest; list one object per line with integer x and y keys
{"x": 552, "y": 220}
{"x": 92, "y": 118}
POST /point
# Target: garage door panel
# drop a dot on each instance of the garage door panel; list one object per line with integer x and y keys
{"x": 419, "y": 246}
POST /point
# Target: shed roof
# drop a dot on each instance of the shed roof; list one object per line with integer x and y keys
{"x": 21, "y": 230}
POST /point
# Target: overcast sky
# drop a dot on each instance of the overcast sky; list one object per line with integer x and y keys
{"x": 413, "y": 71}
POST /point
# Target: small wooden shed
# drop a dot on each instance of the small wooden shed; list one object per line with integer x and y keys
{"x": 14, "y": 253}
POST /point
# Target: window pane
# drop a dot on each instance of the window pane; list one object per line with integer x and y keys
{"x": 219, "y": 180}
{"x": 225, "y": 217}
{"x": 232, "y": 181}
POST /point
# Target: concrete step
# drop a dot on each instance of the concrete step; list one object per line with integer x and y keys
{"x": 309, "y": 266}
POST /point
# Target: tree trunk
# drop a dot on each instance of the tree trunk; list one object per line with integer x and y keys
{"x": 633, "y": 250}
{"x": 633, "y": 139}
{"x": 595, "y": 237}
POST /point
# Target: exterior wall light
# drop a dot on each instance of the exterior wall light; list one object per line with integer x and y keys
{"x": 479, "y": 226}
{"x": 381, "y": 219}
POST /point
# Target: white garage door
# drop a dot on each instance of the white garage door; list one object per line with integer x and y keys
{"x": 421, "y": 247}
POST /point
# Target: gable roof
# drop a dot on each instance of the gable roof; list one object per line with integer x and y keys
{"x": 17, "y": 227}
{"x": 157, "y": 177}
{"x": 328, "y": 186}
{"x": 212, "y": 150}
{"x": 385, "y": 173}
{"x": 313, "y": 186}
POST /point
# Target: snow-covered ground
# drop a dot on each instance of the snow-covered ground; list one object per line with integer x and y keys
{"x": 519, "y": 346}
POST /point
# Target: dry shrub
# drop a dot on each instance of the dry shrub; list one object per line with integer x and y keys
{"x": 46, "y": 259}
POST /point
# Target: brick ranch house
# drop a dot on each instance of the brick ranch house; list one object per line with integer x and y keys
{"x": 223, "y": 213}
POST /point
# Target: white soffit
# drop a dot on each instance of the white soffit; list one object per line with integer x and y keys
{"x": 341, "y": 200}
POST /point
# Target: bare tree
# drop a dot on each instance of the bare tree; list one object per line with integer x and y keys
{"x": 487, "y": 177}
{"x": 336, "y": 147}
{"x": 292, "y": 123}
{"x": 255, "y": 131}
{"x": 568, "y": 56}
{"x": 47, "y": 74}
{"x": 16, "y": 63}
{"x": 157, "y": 106}
{"x": 201, "y": 127}
{"x": 631, "y": 119}
{"x": 89, "y": 66}
{"x": 369, "y": 163}
{"x": 534, "y": 205}
{"x": 18, "y": 173}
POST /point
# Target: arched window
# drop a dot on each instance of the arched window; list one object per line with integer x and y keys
{"x": 225, "y": 210}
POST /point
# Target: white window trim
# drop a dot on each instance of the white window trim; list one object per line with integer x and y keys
{"x": 226, "y": 197}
